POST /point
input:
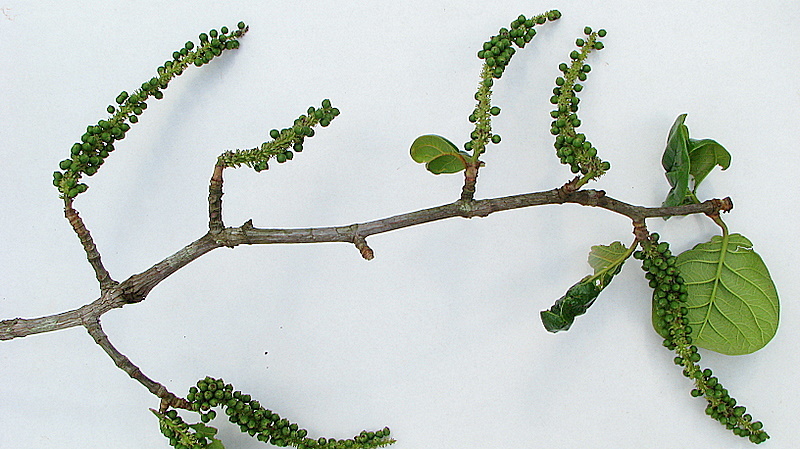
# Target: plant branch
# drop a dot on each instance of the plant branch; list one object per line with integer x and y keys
{"x": 215, "y": 223}
{"x": 136, "y": 288}
{"x": 125, "y": 364}
{"x": 92, "y": 254}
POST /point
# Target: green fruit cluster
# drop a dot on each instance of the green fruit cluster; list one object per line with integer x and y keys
{"x": 266, "y": 426}
{"x": 498, "y": 50}
{"x": 572, "y": 148}
{"x": 497, "y": 53}
{"x": 180, "y": 434}
{"x": 669, "y": 309}
{"x": 284, "y": 143}
{"x": 97, "y": 142}
{"x": 482, "y": 117}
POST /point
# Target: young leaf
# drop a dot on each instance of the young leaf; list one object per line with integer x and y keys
{"x": 704, "y": 155}
{"x": 204, "y": 430}
{"x": 447, "y": 163}
{"x": 676, "y": 163}
{"x": 607, "y": 261}
{"x": 686, "y": 160}
{"x": 604, "y": 258}
{"x": 215, "y": 444}
{"x": 733, "y": 304}
{"x": 575, "y": 302}
{"x": 438, "y": 154}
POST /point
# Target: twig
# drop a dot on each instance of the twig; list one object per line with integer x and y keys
{"x": 125, "y": 364}
{"x": 92, "y": 254}
{"x": 215, "y": 223}
{"x": 136, "y": 288}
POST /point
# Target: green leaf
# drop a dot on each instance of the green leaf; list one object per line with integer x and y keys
{"x": 733, "y": 304}
{"x": 204, "y": 430}
{"x": 603, "y": 258}
{"x": 607, "y": 261}
{"x": 676, "y": 163}
{"x": 215, "y": 444}
{"x": 448, "y": 163}
{"x": 430, "y": 146}
{"x": 438, "y": 154}
{"x": 704, "y": 155}
{"x": 688, "y": 160}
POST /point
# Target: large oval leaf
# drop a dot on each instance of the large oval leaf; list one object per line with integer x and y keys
{"x": 733, "y": 304}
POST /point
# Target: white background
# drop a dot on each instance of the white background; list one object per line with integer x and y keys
{"x": 439, "y": 336}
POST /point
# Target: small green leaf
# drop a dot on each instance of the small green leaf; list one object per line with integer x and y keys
{"x": 704, "y": 155}
{"x": 215, "y": 444}
{"x": 602, "y": 257}
{"x": 607, "y": 261}
{"x": 688, "y": 160}
{"x": 430, "y": 146}
{"x": 676, "y": 163}
{"x": 204, "y": 430}
{"x": 447, "y": 163}
{"x": 733, "y": 304}
{"x": 438, "y": 154}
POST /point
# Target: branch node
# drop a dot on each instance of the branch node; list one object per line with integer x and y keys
{"x": 725, "y": 204}
{"x": 640, "y": 230}
{"x": 569, "y": 187}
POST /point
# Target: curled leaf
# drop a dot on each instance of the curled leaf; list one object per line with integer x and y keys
{"x": 607, "y": 261}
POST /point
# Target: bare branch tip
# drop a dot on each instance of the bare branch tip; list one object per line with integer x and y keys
{"x": 361, "y": 245}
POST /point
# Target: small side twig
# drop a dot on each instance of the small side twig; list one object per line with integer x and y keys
{"x": 124, "y": 363}
{"x": 470, "y": 180}
{"x": 215, "y": 224}
{"x": 361, "y": 244}
{"x": 92, "y": 254}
